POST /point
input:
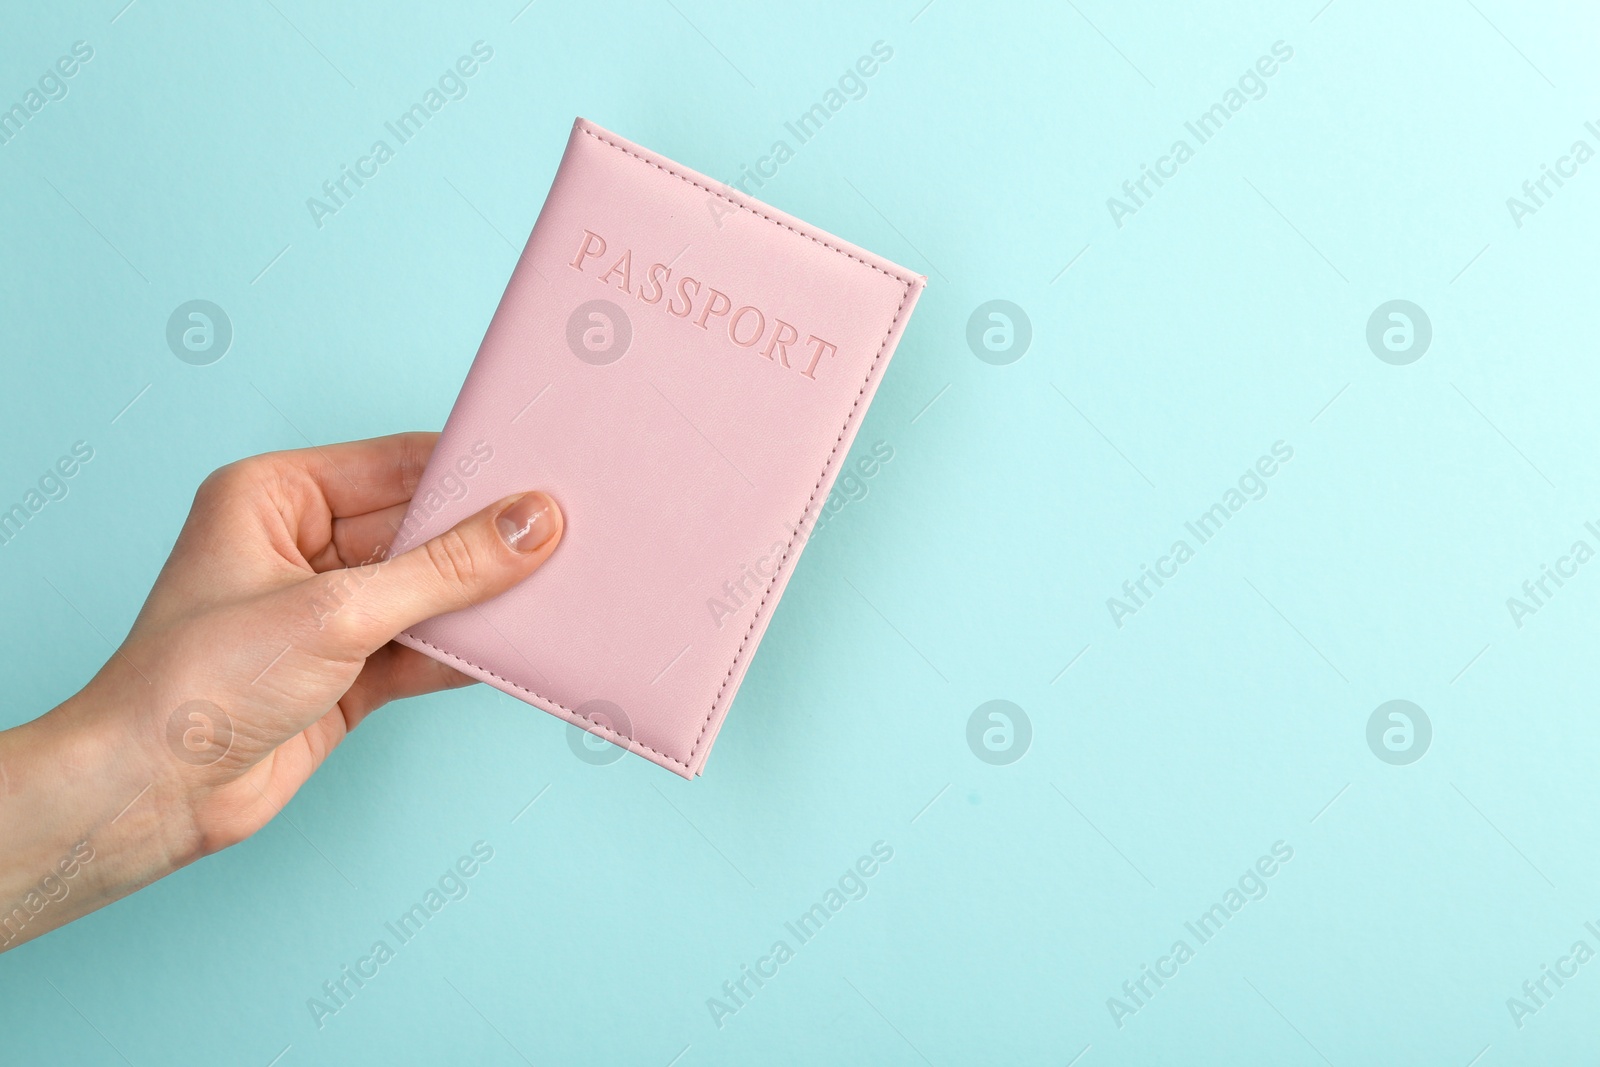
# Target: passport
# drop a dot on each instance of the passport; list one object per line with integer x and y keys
{"x": 683, "y": 368}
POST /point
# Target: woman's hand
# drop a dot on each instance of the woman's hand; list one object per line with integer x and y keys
{"x": 266, "y": 639}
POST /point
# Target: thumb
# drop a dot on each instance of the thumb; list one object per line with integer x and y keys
{"x": 477, "y": 559}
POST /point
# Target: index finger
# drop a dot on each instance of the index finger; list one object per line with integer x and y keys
{"x": 358, "y": 477}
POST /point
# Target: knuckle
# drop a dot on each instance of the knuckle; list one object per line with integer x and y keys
{"x": 214, "y": 486}
{"x": 342, "y": 629}
{"x": 335, "y": 615}
{"x": 415, "y": 451}
{"x": 452, "y": 558}
{"x": 228, "y": 481}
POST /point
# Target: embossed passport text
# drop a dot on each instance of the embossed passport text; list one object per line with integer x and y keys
{"x": 683, "y": 368}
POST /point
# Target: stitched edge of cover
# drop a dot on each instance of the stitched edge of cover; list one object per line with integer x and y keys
{"x": 850, "y": 416}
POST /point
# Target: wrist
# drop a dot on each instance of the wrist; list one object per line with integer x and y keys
{"x": 140, "y": 800}
{"x": 88, "y": 817}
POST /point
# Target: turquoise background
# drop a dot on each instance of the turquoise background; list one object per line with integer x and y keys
{"x": 1168, "y": 754}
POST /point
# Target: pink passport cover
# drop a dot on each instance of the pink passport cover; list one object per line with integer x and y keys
{"x": 683, "y": 368}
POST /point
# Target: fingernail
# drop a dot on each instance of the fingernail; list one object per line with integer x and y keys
{"x": 528, "y": 522}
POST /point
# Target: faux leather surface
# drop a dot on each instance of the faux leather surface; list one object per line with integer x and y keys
{"x": 690, "y": 468}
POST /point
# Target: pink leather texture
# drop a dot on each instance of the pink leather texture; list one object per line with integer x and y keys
{"x": 690, "y": 425}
